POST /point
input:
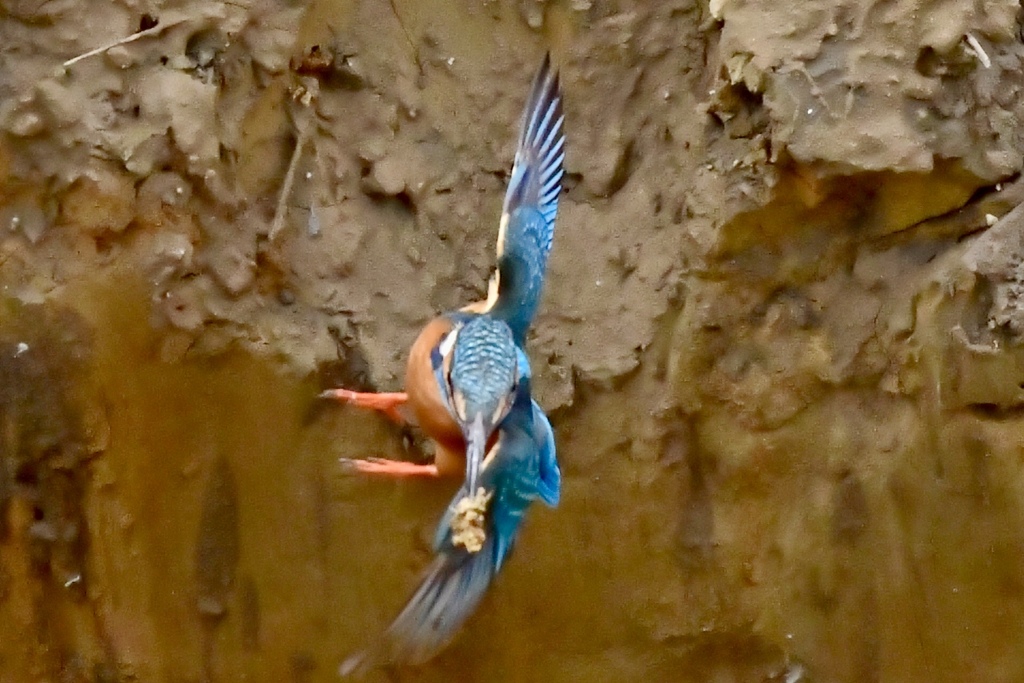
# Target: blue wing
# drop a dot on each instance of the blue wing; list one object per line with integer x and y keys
{"x": 523, "y": 364}
{"x": 523, "y": 469}
{"x": 531, "y": 206}
{"x": 449, "y": 593}
{"x": 457, "y": 580}
{"x": 537, "y": 170}
{"x": 549, "y": 486}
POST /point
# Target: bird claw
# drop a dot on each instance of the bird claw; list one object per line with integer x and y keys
{"x": 387, "y": 403}
{"x": 383, "y": 466}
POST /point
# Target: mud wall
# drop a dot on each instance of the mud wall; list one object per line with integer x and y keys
{"x": 781, "y": 338}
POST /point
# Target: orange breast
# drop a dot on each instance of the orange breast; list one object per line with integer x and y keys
{"x": 424, "y": 395}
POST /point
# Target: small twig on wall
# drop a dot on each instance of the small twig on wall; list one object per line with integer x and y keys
{"x": 408, "y": 38}
{"x": 289, "y": 180}
{"x": 979, "y": 51}
{"x": 152, "y": 30}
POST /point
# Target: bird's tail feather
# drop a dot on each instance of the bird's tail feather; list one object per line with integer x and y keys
{"x": 454, "y": 585}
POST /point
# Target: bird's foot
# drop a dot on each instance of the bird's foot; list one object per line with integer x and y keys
{"x": 387, "y": 403}
{"x": 391, "y": 468}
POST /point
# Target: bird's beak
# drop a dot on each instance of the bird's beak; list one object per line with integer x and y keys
{"x": 476, "y": 449}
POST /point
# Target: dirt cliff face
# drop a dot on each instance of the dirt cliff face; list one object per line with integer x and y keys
{"x": 781, "y": 339}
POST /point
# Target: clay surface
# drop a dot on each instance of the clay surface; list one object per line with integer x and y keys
{"x": 782, "y": 340}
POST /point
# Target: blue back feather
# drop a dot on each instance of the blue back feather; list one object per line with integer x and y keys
{"x": 484, "y": 363}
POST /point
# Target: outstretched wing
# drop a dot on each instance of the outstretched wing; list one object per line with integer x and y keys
{"x": 531, "y": 205}
{"x": 537, "y": 171}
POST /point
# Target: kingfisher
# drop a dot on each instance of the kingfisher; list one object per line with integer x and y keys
{"x": 468, "y": 385}
{"x": 479, "y": 527}
{"x": 463, "y": 430}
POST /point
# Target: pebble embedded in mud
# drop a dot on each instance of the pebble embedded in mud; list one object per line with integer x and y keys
{"x": 60, "y": 103}
{"x": 188, "y": 108}
{"x": 160, "y": 189}
{"x": 386, "y": 178}
{"x": 25, "y": 216}
{"x": 183, "y": 307}
{"x": 100, "y": 201}
{"x": 167, "y": 254}
{"x": 234, "y": 267}
{"x": 26, "y": 124}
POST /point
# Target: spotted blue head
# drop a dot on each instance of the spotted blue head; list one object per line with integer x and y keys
{"x": 479, "y": 372}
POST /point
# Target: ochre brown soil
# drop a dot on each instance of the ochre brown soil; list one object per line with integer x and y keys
{"x": 781, "y": 340}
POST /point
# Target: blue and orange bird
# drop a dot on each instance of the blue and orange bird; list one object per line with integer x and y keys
{"x": 468, "y": 386}
{"x": 461, "y": 428}
{"x": 480, "y": 525}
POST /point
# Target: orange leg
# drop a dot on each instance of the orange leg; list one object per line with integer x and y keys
{"x": 387, "y": 403}
{"x": 391, "y": 468}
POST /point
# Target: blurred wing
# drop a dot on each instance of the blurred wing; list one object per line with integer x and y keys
{"x": 457, "y": 580}
{"x": 449, "y": 593}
